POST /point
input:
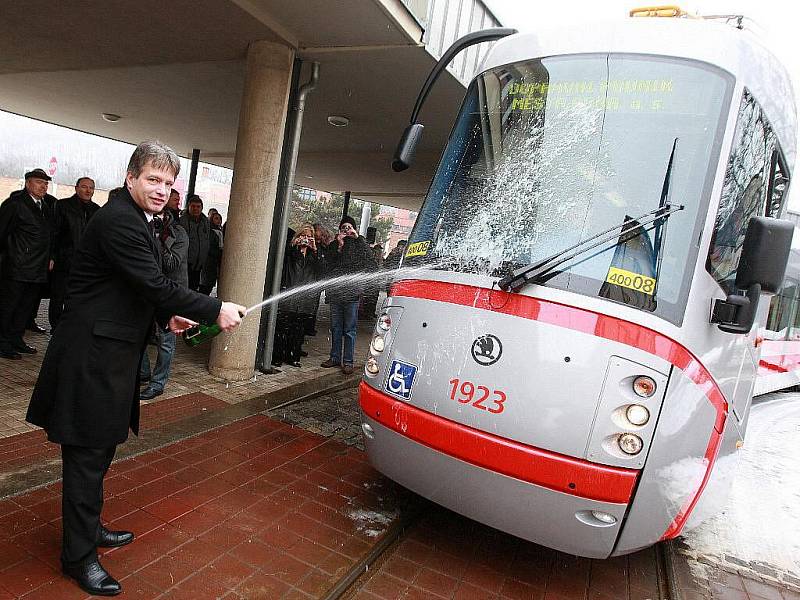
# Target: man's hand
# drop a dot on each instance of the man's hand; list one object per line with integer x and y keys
{"x": 180, "y": 324}
{"x": 51, "y": 264}
{"x": 230, "y": 315}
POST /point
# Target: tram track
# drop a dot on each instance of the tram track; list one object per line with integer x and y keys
{"x": 356, "y": 576}
{"x": 360, "y": 573}
{"x": 667, "y": 585}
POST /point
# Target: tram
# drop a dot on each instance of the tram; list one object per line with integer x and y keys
{"x": 604, "y": 236}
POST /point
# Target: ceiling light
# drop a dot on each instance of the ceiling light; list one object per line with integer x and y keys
{"x": 338, "y": 120}
{"x": 111, "y": 117}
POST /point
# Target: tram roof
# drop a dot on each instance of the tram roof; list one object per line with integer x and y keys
{"x": 737, "y": 51}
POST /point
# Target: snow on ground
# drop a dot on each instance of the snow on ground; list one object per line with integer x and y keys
{"x": 761, "y": 522}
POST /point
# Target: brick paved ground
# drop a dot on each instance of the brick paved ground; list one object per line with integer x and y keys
{"x": 706, "y": 580}
{"x": 255, "y": 509}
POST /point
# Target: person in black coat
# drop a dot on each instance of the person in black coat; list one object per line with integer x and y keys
{"x": 70, "y": 218}
{"x": 348, "y": 254}
{"x": 87, "y": 394}
{"x": 174, "y": 245}
{"x": 302, "y": 265}
{"x": 198, "y": 228}
{"x": 26, "y": 231}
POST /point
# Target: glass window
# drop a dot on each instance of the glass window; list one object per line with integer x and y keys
{"x": 753, "y": 170}
{"x": 548, "y": 153}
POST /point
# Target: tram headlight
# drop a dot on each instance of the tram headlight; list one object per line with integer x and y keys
{"x": 384, "y": 322}
{"x": 644, "y": 386}
{"x": 604, "y": 517}
{"x": 371, "y": 367}
{"x": 630, "y": 443}
{"x": 637, "y": 414}
{"x": 377, "y": 344}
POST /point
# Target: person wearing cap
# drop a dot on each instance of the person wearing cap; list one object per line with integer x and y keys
{"x": 348, "y": 254}
{"x": 26, "y": 231}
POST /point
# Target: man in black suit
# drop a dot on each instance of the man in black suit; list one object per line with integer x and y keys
{"x": 70, "y": 218}
{"x": 87, "y": 394}
{"x": 25, "y": 239}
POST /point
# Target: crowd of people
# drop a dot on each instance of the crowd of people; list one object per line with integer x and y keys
{"x": 39, "y": 237}
{"x": 313, "y": 253}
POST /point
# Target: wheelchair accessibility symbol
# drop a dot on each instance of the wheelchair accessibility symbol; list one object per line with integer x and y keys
{"x": 400, "y": 379}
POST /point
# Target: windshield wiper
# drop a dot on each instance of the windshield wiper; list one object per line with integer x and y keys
{"x": 534, "y": 271}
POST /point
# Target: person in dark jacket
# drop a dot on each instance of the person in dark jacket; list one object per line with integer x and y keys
{"x": 87, "y": 394}
{"x": 26, "y": 231}
{"x": 198, "y": 227}
{"x": 302, "y": 265}
{"x": 70, "y": 218}
{"x": 174, "y": 205}
{"x": 174, "y": 245}
{"x": 347, "y": 254}
{"x": 210, "y": 273}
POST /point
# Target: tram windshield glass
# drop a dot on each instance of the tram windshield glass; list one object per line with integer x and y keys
{"x": 547, "y": 153}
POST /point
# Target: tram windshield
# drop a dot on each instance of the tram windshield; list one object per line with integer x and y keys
{"x": 547, "y": 153}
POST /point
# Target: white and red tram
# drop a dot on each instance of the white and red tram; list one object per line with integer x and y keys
{"x": 603, "y": 234}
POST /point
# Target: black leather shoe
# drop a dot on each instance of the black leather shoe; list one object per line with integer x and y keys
{"x": 149, "y": 394}
{"x": 35, "y": 327}
{"x": 24, "y": 349}
{"x": 113, "y": 539}
{"x": 94, "y": 579}
{"x": 9, "y": 354}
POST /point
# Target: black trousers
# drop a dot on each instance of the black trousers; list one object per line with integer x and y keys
{"x": 82, "y": 500}
{"x": 194, "y": 278}
{"x": 289, "y": 337}
{"x": 17, "y": 300}
{"x": 58, "y": 291}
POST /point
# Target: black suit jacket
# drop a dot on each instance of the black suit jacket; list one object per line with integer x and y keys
{"x": 70, "y": 217}
{"x": 87, "y": 393}
{"x": 25, "y": 237}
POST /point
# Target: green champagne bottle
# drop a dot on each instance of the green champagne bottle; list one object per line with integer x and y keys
{"x": 200, "y": 333}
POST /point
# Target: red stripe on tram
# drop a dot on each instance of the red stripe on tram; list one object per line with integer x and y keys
{"x": 596, "y": 324}
{"x": 500, "y": 455}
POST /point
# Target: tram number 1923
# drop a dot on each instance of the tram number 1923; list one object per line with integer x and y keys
{"x": 478, "y": 396}
{"x": 631, "y": 280}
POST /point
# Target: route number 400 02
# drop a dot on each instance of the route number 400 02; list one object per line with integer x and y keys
{"x": 478, "y": 396}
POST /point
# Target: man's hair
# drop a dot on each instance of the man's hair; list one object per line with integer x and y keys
{"x": 77, "y": 183}
{"x": 194, "y": 199}
{"x": 155, "y": 153}
{"x": 174, "y": 191}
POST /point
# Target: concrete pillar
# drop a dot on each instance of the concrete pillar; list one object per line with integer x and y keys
{"x": 255, "y": 180}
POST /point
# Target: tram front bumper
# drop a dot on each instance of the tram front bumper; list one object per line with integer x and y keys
{"x": 517, "y": 507}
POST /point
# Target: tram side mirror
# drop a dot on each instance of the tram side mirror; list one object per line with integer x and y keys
{"x": 762, "y": 266}
{"x": 407, "y": 147}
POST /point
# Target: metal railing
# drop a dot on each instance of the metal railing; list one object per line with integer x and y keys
{"x": 447, "y": 20}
